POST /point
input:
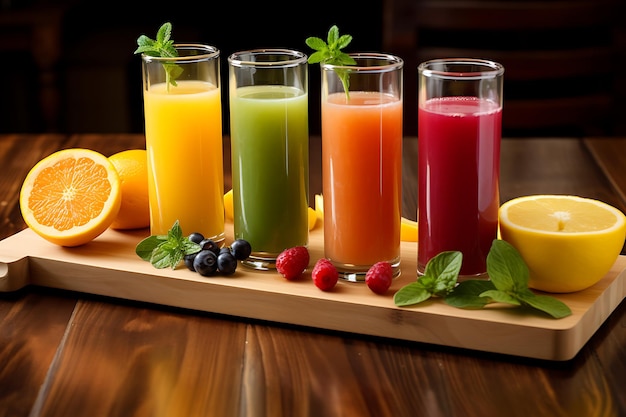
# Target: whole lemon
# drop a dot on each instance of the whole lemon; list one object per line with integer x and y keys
{"x": 568, "y": 242}
{"x": 132, "y": 168}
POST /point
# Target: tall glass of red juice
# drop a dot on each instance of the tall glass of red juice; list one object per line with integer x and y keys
{"x": 459, "y": 134}
{"x": 362, "y": 163}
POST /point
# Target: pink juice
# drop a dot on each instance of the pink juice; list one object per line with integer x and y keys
{"x": 458, "y": 174}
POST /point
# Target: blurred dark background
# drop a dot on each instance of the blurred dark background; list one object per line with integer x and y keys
{"x": 68, "y": 65}
{"x": 98, "y": 77}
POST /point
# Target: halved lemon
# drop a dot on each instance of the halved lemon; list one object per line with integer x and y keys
{"x": 71, "y": 196}
{"x": 568, "y": 242}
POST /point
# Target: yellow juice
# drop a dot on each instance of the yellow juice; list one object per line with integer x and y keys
{"x": 185, "y": 165}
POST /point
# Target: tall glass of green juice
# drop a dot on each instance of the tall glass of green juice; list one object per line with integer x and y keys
{"x": 268, "y": 98}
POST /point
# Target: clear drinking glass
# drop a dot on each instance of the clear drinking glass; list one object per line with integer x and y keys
{"x": 183, "y": 121}
{"x": 268, "y": 92}
{"x": 459, "y": 134}
{"x": 362, "y": 163}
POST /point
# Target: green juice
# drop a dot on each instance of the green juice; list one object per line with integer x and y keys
{"x": 270, "y": 167}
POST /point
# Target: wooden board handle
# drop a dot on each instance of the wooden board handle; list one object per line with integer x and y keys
{"x": 14, "y": 275}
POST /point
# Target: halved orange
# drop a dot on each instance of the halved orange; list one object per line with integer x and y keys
{"x": 71, "y": 196}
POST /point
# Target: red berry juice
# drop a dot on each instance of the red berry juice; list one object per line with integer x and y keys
{"x": 458, "y": 179}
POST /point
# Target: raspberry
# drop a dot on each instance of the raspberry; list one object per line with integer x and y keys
{"x": 378, "y": 278}
{"x": 324, "y": 275}
{"x": 292, "y": 262}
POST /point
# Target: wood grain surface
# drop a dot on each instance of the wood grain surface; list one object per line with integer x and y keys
{"x": 66, "y": 353}
{"x": 109, "y": 266}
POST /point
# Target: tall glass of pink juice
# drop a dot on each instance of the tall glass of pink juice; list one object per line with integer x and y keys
{"x": 183, "y": 122}
{"x": 459, "y": 134}
{"x": 362, "y": 164}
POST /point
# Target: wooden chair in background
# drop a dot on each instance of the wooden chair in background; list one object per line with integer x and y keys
{"x": 559, "y": 56}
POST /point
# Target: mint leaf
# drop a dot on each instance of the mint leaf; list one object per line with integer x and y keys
{"x": 506, "y": 268}
{"x": 439, "y": 279}
{"x": 508, "y": 283}
{"x": 549, "y": 305}
{"x": 410, "y": 294}
{"x": 187, "y": 247}
{"x": 498, "y": 296}
{"x": 162, "y": 47}
{"x": 145, "y": 247}
{"x": 166, "y": 255}
{"x": 509, "y": 273}
{"x": 468, "y": 294}
{"x": 166, "y": 251}
{"x": 175, "y": 234}
{"x": 445, "y": 268}
{"x": 330, "y": 53}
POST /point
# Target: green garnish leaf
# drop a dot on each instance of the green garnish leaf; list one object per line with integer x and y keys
{"x": 508, "y": 283}
{"x": 166, "y": 251}
{"x": 162, "y": 47}
{"x": 330, "y": 53}
{"x": 467, "y": 294}
{"x": 145, "y": 247}
{"x": 410, "y": 294}
{"x": 549, "y": 305}
{"x": 506, "y": 268}
{"x": 497, "y": 296}
{"x": 439, "y": 279}
{"x": 444, "y": 268}
{"x": 166, "y": 255}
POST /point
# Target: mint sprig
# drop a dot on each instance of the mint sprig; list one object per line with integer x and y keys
{"x": 166, "y": 251}
{"x": 439, "y": 279}
{"x": 330, "y": 53}
{"x": 162, "y": 47}
{"x": 508, "y": 283}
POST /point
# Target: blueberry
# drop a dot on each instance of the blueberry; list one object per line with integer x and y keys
{"x": 205, "y": 263}
{"x": 209, "y": 244}
{"x": 241, "y": 249}
{"x": 196, "y": 237}
{"x": 189, "y": 261}
{"x": 226, "y": 263}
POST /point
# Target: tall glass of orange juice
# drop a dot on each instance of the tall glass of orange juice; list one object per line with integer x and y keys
{"x": 183, "y": 122}
{"x": 362, "y": 163}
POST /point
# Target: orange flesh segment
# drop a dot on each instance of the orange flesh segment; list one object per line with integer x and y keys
{"x": 63, "y": 202}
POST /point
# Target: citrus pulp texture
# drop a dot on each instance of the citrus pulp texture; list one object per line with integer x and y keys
{"x": 569, "y": 243}
{"x": 71, "y": 196}
{"x": 132, "y": 168}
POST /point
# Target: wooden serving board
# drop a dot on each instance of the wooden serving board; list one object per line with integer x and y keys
{"x": 109, "y": 266}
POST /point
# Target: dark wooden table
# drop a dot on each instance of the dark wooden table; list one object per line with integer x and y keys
{"x": 69, "y": 354}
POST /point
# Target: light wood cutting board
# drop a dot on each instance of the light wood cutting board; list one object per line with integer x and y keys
{"x": 109, "y": 266}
